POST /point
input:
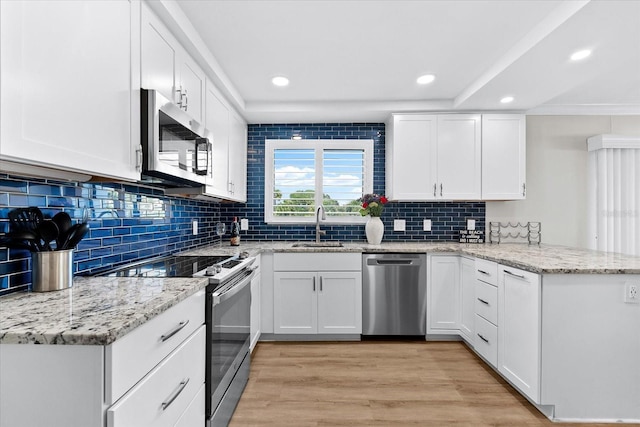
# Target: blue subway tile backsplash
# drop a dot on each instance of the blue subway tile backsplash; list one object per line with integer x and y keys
{"x": 448, "y": 218}
{"x": 129, "y": 222}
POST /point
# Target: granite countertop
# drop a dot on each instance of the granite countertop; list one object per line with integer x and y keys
{"x": 99, "y": 310}
{"x": 94, "y": 311}
{"x": 541, "y": 259}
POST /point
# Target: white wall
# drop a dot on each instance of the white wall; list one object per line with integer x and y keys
{"x": 557, "y": 175}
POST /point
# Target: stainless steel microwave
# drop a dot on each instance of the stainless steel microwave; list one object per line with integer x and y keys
{"x": 176, "y": 149}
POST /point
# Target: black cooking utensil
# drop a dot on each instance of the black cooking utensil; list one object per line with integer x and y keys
{"x": 23, "y": 239}
{"x": 63, "y": 221}
{"x": 25, "y": 218}
{"x": 48, "y": 231}
{"x": 75, "y": 234}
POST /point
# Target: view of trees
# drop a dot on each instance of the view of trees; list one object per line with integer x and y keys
{"x": 302, "y": 203}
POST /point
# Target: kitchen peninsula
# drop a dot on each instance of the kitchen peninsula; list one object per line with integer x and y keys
{"x": 583, "y": 366}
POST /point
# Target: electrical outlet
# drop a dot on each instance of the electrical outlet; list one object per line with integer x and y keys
{"x": 632, "y": 293}
{"x": 399, "y": 225}
{"x": 471, "y": 224}
{"x": 195, "y": 227}
{"x": 244, "y": 224}
{"x": 426, "y": 225}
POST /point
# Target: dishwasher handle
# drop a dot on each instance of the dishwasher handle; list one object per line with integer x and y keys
{"x": 390, "y": 261}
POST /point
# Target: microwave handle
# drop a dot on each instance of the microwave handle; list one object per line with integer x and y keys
{"x": 202, "y": 169}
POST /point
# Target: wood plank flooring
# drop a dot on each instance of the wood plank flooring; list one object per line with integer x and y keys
{"x": 378, "y": 383}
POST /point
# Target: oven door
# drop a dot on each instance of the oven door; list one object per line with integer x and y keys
{"x": 228, "y": 345}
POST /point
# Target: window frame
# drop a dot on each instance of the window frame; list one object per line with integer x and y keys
{"x": 318, "y": 145}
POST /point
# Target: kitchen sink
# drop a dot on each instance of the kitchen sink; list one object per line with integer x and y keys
{"x": 317, "y": 245}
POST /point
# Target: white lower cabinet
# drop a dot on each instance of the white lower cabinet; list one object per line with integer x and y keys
{"x": 126, "y": 383}
{"x": 327, "y": 300}
{"x": 467, "y": 298}
{"x": 166, "y": 392}
{"x": 443, "y": 294}
{"x": 256, "y": 289}
{"x": 519, "y": 326}
{"x": 486, "y": 340}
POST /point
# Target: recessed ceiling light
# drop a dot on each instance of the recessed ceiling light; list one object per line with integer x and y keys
{"x": 426, "y": 79}
{"x": 507, "y": 99}
{"x": 280, "y": 81}
{"x": 581, "y": 54}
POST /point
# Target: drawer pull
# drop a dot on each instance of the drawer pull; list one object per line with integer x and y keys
{"x": 483, "y": 338}
{"x": 483, "y": 301}
{"x": 175, "y": 394}
{"x": 174, "y": 331}
{"x": 519, "y": 276}
{"x": 484, "y": 272}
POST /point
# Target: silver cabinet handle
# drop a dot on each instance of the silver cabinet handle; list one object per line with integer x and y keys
{"x": 435, "y": 186}
{"x": 524, "y": 189}
{"x": 175, "y": 394}
{"x": 314, "y": 284}
{"x": 440, "y": 189}
{"x": 179, "y": 101}
{"x": 483, "y": 338}
{"x": 484, "y": 272}
{"x": 519, "y": 276}
{"x": 174, "y": 331}
{"x": 320, "y": 283}
{"x": 483, "y": 301}
{"x": 139, "y": 158}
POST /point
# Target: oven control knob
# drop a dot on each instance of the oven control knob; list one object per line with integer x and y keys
{"x": 213, "y": 270}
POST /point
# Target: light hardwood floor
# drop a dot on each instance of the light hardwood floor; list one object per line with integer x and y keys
{"x": 374, "y": 383}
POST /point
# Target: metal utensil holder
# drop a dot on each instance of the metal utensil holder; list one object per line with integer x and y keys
{"x": 515, "y": 232}
{"x": 51, "y": 270}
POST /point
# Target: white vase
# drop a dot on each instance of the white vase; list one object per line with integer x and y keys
{"x": 374, "y": 229}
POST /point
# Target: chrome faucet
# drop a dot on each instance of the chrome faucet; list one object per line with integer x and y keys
{"x": 324, "y": 217}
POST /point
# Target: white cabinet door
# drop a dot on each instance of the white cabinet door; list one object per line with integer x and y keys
{"x": 70, "y": 86}
{"x": 459, "y": 156}
{"x": 255, "y": 307}
{"x": 467, "y": 298}
{"x": 340, "y": 302}
{"x": 295, "y": 303}
{"x": 237, "y": 158}
{"x": 158, "y": 55}
{"x": 190, "y": 90}
{"x": 503, "y": 156}
{"x": 443, "y": 294}
{"x": 217, "y": 121}
{"x": 519, "y": 329}
{"x": 411, "y": 158}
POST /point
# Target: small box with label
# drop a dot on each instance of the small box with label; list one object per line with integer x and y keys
{"x": 471, "y": 236}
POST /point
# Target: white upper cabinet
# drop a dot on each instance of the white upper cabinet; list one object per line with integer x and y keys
{"x": 503, "y": 157}
{"x": 456, "y": 157}
{"x": 70, "y": 86}
{"x": 229, "y": 178}
{"x": 237, "y": 158}
{"x": 459, "y": 157}
{"x": 411, "y": 157}
{"x": 168, "y": 68}
{"x": 434, "y": 157}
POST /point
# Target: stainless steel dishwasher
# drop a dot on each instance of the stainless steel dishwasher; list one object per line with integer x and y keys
{"x": 394, "y": 294}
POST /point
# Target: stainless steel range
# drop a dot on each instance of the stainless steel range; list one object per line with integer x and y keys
{"x": 228, "y": 316}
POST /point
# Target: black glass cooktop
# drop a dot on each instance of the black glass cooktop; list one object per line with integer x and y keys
{"x": 170, "y": 266}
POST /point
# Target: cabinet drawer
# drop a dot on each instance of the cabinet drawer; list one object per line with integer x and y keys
{"x": 487, "y": 301}
{"x": 317, "y": 261}
{"x": 131, "y": 357}
{"x": 486, "y": 340}
{"x": 172, "y": 384}
{"x": 194, "y": 415}
{"x": 487, "y": 271}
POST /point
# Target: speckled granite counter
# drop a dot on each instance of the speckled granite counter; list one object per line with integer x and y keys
{"x": 544, "y": 259}
{"x": 94, "y": 311}
{"x": 97, "y": 311}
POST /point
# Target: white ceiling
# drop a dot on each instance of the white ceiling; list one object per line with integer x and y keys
{"x": 358, "y": 60}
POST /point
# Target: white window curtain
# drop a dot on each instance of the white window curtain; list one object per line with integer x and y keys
{"x": 614, "y": 193}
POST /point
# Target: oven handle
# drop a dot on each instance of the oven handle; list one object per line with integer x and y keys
{"x": 219, "y": 297}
